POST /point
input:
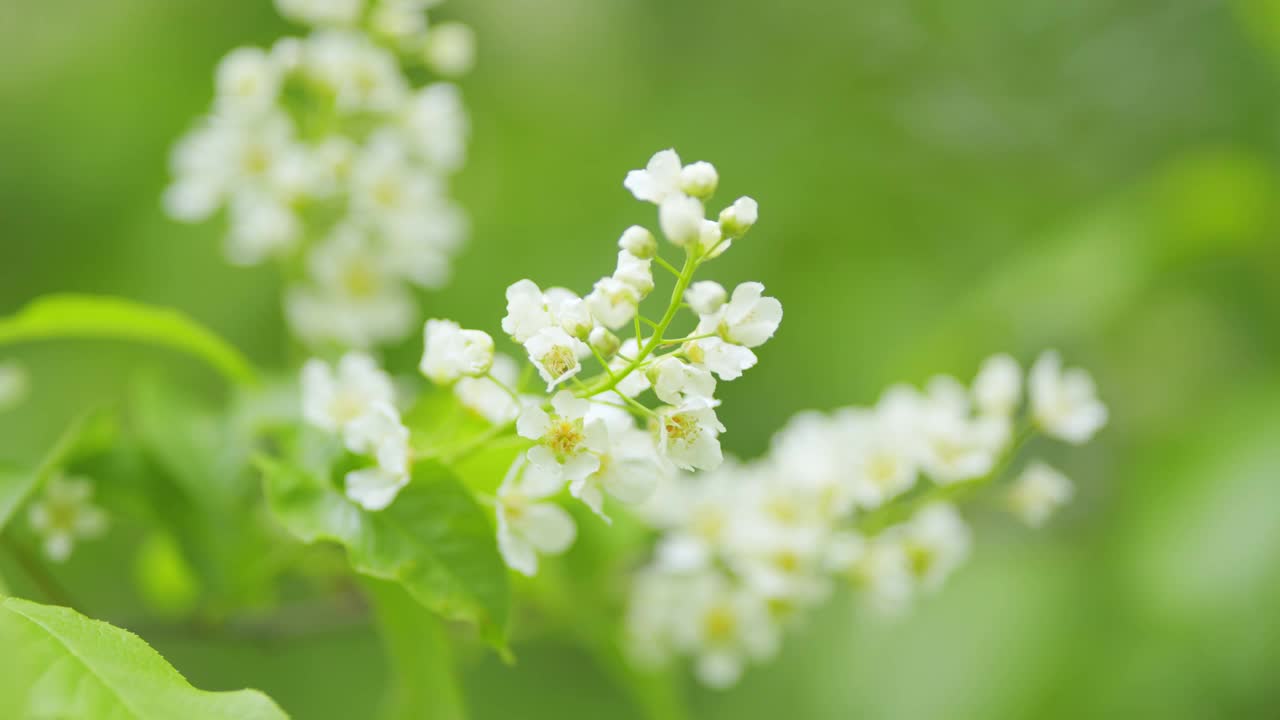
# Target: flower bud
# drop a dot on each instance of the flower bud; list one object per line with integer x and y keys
{"x": 705, "y": 297}
{"x": 605, "y": 342}
{"x": 709, "y": 239}
{"x": 639, "y": 242}
{"x": 699, "y": 180}
{"x": 681, "y": 218}
{"x": 450, "y": 48}
{"x": 738, "y": 218}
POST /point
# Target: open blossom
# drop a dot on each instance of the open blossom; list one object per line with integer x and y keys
{"x": 936, "y": 541}
{"x": 749, "y": 319}
{"x": 65, "y": 513}
{"x": 569, "y": 443}
{"x": 1038, "y": 492}
{"x": 658, "y": 180}
{"x": 321, "y": 12}
{"x": 677, "y": 383}
{"x": 334, "y": 397}
{"x": 629, "y": 465}
{"x": 451, "y": 352}
{"x": 528, "y": 524}
{"x": 1064, "y": 403}
{"x": 724, "y": 629}
{"x": 380, "y": 433}
{"x": 613, "y": 302}
{"x": 689, "y": 435}
{"x": 556, "y": 355}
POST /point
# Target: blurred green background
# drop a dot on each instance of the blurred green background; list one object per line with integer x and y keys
{"x": 937, "y": 181}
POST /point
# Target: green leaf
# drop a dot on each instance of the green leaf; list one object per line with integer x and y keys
{"x": 58, "y": 663}
{"x": 57, "y": 317}
{"x": 17, "y": 486}
{"x": 424, "y": 684}
{"x": 434, "y": 539}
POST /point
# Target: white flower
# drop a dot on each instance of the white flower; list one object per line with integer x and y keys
{"x": 321, "y": 12}
{"x": 555, "y": 354}
{"x": 639, "y": 242}
{"x": 451, "y": 352}
{"x": 604, "y": 341}
{"x": 677, "y": 383}
{"x": 705, "y": 297}
{"x": 997, "y": 389}
{"x": 247, "y": 81}
{"x": 699, "y": 180}
{"x": 486, "y": 397}
{"x": 64, "y": 513}
{"x": 569, "y": 444}
{"x": 527, "y": 311}
{"x": 725, "y": 359}
{"x": 738, "y": 218}
{"x": 332, "y": 400}
{"x": 659, "y": 179}
{"x": 724, "y": 627}
{"x": 883, "y": 449}
{"x": 813, "y": 453}
{"x": 711, "y": 240}
{"x": 630, "y": 467}
{"x": 749, "y": 319}
{"x": 935, "y": 540}
{"x": 437, "y": 122}
{"x": 569, "y": 311}
{"x": 527, "y": 526}
{"x": 682, "y": 220}
{"x": 1037, "y": 492}
{"x": 635, "y": 272}
{"x": 1065, "y": 403}
{"x": 877, "y": 567}
{"x": 14, "y": 383}
{"x": 688, "y": 436}
{"x": 380, "y": 433}
{"x": 451, "y": 48}
{"x": 361, "y": 75}
{"x": 955, "y": 446}
{"x": 613, "y": 302}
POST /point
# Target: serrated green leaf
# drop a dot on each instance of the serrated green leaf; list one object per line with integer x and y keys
{"x": 434, "y": 539}
{"x": 57, "y": 663}
{"x": 54, "y": 317}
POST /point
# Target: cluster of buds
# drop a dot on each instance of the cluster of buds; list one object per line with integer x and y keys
{"x": 326, "y": 158}
{"x": 865, "y": 495}
{"x": 647, "y": 410}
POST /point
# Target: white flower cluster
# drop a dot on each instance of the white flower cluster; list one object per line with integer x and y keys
{"x": 326, "y": 158}
{"x": 650, "y": 406}
{"x": 64, "y": 514}
{"x": 356, "y": 400}
{"x": 744, "y": 549}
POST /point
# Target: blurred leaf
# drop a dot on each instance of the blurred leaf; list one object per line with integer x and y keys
{"x": 434, "y": 539}
{"x": 165, "y": 580}
{"x": 62, "y": 664}
{"x": 439, "y": 422}
{"x": 17, "y": 486}
{"x": 55, "y": 317}
{"x": 425, "y": 683}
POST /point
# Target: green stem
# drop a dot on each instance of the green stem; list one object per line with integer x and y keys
{"x": 607, "y": 383}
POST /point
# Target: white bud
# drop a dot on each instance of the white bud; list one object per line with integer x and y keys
{"x": 604, "y": 341}
{"x": 738, "y": 218}
{"x": 699, "y": 180}
{"x": 705, "y": 297}
{"x": 451, "y": 48}
{"x": 681, "y": 218}
{"x": 709, "y": 240}
{"x": 639, "y": 242}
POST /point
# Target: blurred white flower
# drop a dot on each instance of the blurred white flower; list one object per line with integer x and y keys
{"x": 332, "y": 398}
{"x": 450, "y": 352}
{"x": 528, "y": 524}
{"x": 64, "y": 514}
{"x": 1064, "y": 403}
{"x": 1038, "y": 492}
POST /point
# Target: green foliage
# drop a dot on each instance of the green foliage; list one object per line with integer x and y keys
{"x": 61, "y": 317}
{"x": 58, "y": 663}
{"x": 434, "y": 540}
{"x": 424, "y": 682}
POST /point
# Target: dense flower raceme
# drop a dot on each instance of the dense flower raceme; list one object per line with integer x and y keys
{"x": 863, "y": 495}
{"x": 613, "y": 417}
{"x": 326, "y": 158}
